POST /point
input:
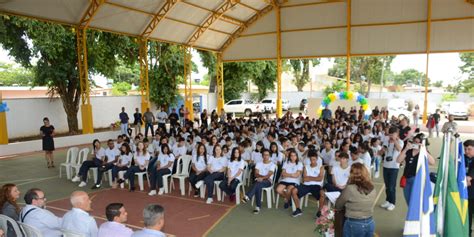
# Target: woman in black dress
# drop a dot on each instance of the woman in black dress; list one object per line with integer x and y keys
{"x": 47, "y": 133}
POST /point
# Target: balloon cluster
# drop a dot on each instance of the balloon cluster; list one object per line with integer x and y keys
{"x": 346, "y": 95}
{"x": 4, "y": 107}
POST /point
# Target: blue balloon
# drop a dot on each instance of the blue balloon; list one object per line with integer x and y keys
{"x": 3, "y": 107}
{"x": 360, "y": 98}
{"x": 366, "y": 117}
{"x": 324, "y": 103}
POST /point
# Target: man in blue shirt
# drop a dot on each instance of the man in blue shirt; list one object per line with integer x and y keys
{"x": 154, "y": 219}
{"x": 123, "y": 122}
{"x": 326, "y": 114}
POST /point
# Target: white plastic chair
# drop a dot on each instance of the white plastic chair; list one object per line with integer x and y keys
{"x": 5, "y": 220}
{"x": 167, "y": 176}
{"x": 107, "y": 175}
{"x": 239, "y": 187}
{"x": 182, "y": 172}
{"x": 121, "y": 175}
{"x": 81, "y": 157}
{"x": 71, "y": 158}
{"x": 68, "y": 233}
{"x": 29, "y": 230}
{"x": 140, "y": 179}
{"x": 270, "y": 193}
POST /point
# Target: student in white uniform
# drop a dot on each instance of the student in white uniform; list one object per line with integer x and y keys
{"x": 35, "y": 214}
{"x": 216, "y": 166}
{"x": 340, "y": 174}
{"x": 123, "y": 163}
{"x": 313, "y": 176}
{"x": 328, "y": 153}
{"x": 393, "y": 146}
{"x": 164, "y": 165}
{"x": 198, "y": 168}
{"x": 235, "y": 170}
{"x": 141, "y": 159}
{"x": 277, "y": 158}
{"x": 355, "y": 156}
{"x": 98, "y": 155}
{"x": 78, "y": 219}
{"x": 377, "y": 152}
{"x": 111, "y": 157}
{"x": 365, "y": 156}
{"x": 264, "y": 172}
{"x": 290, "y": 177}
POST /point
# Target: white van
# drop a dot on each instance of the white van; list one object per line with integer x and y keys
{"x": 458, "y": 110}
{"x": 269, "y": 104}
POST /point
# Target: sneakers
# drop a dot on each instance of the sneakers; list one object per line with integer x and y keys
{"x": 209, "y": 201}
{"x": 391, "y": 207}
{"x": 76, "y": 179}
{"x": 256, "y": 210}
{"x": 152, "y": 193}
{"x": 162, "y": 190}
{"x": 96, "y": 186}
{"x": 82, "y": 184}
{"x": 120, "y": 181}
{"x": 199, "y": 184}
{"x": 196, "y": 193}
{"x": 385, "y": 204}
{"x": 377, "y": 174}
{"x": 287, "y": 204}
{"x": 245, "y": 199}
{"x": 297, "y": 212}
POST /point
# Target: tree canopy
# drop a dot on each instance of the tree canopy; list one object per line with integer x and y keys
{"x": 300, "y": 69}
{"x": 15, "y": 76}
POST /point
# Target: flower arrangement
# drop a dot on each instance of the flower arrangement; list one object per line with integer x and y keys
{"x": 325, "y": 223}
{"x": 115, "y": 125}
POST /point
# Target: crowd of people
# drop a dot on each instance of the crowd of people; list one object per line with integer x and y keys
{"x": 293, "y": 154}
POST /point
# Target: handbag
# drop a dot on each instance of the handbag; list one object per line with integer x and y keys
{"x": 403, "y": 181}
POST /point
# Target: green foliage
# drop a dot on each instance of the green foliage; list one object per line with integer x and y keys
{"x": 127, "y": 73}
{"x": 410, "y": 76}
{"x": 121, "y": 88}
{"x": 301, "y": 71}
{"x": 438, "y": 84}
{"x": 55, "y": 48}
{"x": 334, "y": 87}
{"x": 468, "y": 66}
{"x": 265, "y": 80}
{"x": 15, "y": 76}
{"x": 209, "y": 61}
{"x": 448, "y": 97}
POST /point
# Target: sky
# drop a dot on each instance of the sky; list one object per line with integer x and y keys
{"x": 443, "y": 67}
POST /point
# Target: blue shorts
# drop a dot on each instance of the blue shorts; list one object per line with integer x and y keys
{"x": 332, "y": 188}
{"x": 288, "y": 184}
{"x": 305, "y": 189}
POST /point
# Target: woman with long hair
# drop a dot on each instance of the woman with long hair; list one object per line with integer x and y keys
{"x": 198, "y": 168}
{"x": 98, "y": 155}
{"x": 358, "y": 199}
{"x": 235, "y": 169}
{"x": 141, "y": 159}
{"x": 164, "y": 166}
{"x": 9, "y": 194}
{"x": 47, "y": 134}
{"x": 290, "y": 177}
{"x": 216, "y": 167}
{"x": 123, "y": 163}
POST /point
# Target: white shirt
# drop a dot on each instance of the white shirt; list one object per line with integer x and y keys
{"x": 392, "y": 152}
{"x": 179, "y": 151}
{"x": 142, "y": 159}
{"x": 313, "y": 172}
{"x": 148, "y": 233}
{"x": 341, "y": 175}
{"x": 264, "y": 169}
{"x": 307, "y": 161}
{"x": 44, "y": 220}
{"x": 165, "y": 159}
{"x": 234, "y": 168}
{"x": 161, "y": 117}
{"x": 246, "y": 155}
{"x": 79, "y": 221}
{"x": 110, "y": 154}
{"x": 292, "y": 168}
{"x": 126, "y": 159}
{"x": 277, "y": 158}
{"x": 114, "y": 229}
{"x": 100, "y": 153}
{"x": 200, "y": 164}
{"x": 217, "y": 163}
{"x": 367, "y": 160}
{"x": 257, "y": 157}
{"x": 328, "y": 155}
{"x": 118, "y": 145}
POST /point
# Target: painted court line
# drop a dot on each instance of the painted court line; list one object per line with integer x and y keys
{"x": 198, "y": 217}
{"x": 37, "y": 180}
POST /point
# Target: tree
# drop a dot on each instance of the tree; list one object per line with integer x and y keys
{"x": 265, "y": 78}
{"x": 301, "y": 71}
{"x": 438, "y": 84}
{"x": 127, "y": 73}
{"x": 410, "y": 76}
{"x": 364, "y": 70}
{"x": 334, "y": 87}
{"x": 121, "y": 88}
{"x": 468, "y": 66}
{"x": 55, "y": 48}
{"x": 15, "y": 76}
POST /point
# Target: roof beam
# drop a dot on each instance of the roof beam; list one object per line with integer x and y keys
{"x": 213, "y": 17}
{"x": 223, "y": 17}
{"x": 169, "y": 4}
{"x": 250, "y": 7}
{"x": 90, "y": 13}
{"x": 246, "y": 25}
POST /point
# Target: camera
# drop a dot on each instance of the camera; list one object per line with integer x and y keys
{"x": 388, "y": 158}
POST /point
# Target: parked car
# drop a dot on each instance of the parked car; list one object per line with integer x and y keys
{"x": 246, "y": 106}
{"x": 303, "y": 104}
{"x": 398, "y": 108}
{"x": 458, "y": 110}
{"x": 269, "y": 105}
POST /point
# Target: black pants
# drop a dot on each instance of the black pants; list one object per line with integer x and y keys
{"x": 130, "y": 175}
{"x": 101, "y": 170}
{"x": 156, "y": 178}
{"x": 229, "y": 189}
{"x": 116, "y": 170}
{"x": 86, "y": 165}
{"x": 470, "y": 213}
{"x": 162, "y": 126}
{"x": 194, "y": 178}
{"x": 149, "y": 126}
{"x": 209, "y": 181}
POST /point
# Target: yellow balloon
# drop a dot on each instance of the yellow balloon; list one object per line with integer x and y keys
{"x": 350, "y": 95}
{"x": 332, "y": 97}
{"x": 320, "y": 111}
{"x": 365, "y": 107}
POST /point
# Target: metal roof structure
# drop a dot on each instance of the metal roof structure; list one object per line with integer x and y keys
{"x": 245, "y": 30}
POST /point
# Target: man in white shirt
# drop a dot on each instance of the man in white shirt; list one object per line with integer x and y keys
{"x": 111, "y": 157}
{"x": 390, "y": 167}
{"x": 114, "y": 227}
{"x": 35, "y": 214}
{"x": 154, "y": 219}
{"x": 161, "y": 118}
{"x": 78, "y": 219}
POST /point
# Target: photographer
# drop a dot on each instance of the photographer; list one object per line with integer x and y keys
{"x": 410, "y": 155}
{"x": 392, "y": 148}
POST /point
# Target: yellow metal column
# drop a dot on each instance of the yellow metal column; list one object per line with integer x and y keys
{"x": 279, "y": 111}
{"x": 348, "y": 47}
{"x": 144, "y": 83}
{"x": 86, "y": 107}
{"x": 188, "y": 91}
{"x": 428, "y": 46}
{"x": 3, "y": 125}
{"x": 220, "y": 83}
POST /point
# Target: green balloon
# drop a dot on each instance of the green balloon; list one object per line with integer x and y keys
{"x": 363, "y": 101}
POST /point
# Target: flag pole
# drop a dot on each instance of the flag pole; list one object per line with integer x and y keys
{"x": 445, "y": 176}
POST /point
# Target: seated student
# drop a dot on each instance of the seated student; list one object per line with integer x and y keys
{"x": 141, "y": 159}
{"x": 365, "y": 155}
{"x": 264, "y": 172}
{"x": 115, "y": 227}
{"x": 216, "y": 166}
{"x": 327, "y": 153}
{"x": 164, "y": 165}
{"x": 276, "y": 157}
{"x": 198, "y": 168}
{"x": 110, "y": 158}
{"x": 119, "y": 142}
{"x": 123, "y": 163}
{"x": 340, "y": 174}
{"x": 302, "y": 150}
{"x": 235, "y": 170}
{"x": 355, "y": 156}
{"x": 179, "y": 150}
{"x": 35, "y": 214}
{"x": 98, "y": 156}
{"x": 290, "y": 177}
{"x": 154, "y": 220}
{"x": 313, "y": 176}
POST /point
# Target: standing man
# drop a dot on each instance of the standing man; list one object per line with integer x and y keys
{"x": 123, "y": 122}
{"x": 469, "y": 163}
{"x": 181, "y": 115}
{"x": 137, "y": 121}
{"x": 149, "y": 119}
{"x": 326, "y": 113}
{"x": 114, "y": 227}
{"x": 154, "y": 219}
{"x": 450, "y": 125}
{"x": 173, "y": 121}
{"x": 437, "y": 117}
{"x": 78, "y": 219}
{"x": 161, "y": 117}
{"x": 392, "y": 148}
{"x": 35, "y": 215}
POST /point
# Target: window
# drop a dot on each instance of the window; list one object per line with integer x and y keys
{"x": 266, "y": 101}
{"x": 235, "y": 102}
